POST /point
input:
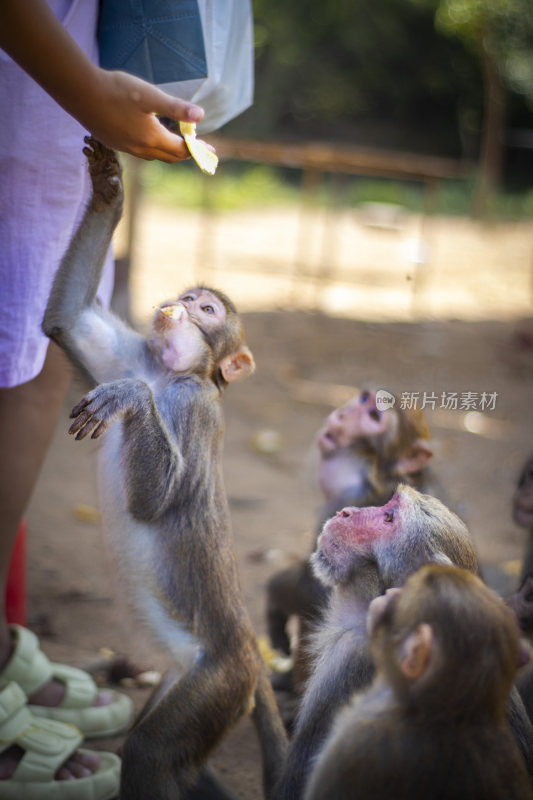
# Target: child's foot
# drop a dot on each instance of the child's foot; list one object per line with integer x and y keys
{"x": 62, "y": 693}
{"x": 39, "y": 753}
{"x": 79, "y": 765}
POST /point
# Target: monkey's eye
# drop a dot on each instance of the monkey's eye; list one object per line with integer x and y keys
{"x": 208, "y": 309}
{"x": 365, "y": 396}
{"x": 389, "y": 516}
{"x": 375, "y": 415}
{"x": 189, "y": 298}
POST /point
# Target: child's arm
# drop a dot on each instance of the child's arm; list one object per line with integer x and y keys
{"x": 117, "y": 108}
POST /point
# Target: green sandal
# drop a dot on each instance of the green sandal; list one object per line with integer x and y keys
{"x": 31, "y": 669}
{"x": 47, "y": 745}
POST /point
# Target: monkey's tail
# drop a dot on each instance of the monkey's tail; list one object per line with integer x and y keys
{"x": 271, "y": 732}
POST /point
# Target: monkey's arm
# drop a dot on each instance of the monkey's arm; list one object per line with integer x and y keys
{"x": 152, "y": 462}
{"x": 73, "y": 317}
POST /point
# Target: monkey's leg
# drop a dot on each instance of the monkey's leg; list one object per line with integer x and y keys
{"x": 164, "y": 751}
{"x": 282, "y": 601}
{"x": 294, "y": 591}
{"x": 208, "y": 785}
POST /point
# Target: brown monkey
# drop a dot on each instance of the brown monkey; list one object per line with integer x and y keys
{"x": 361, "y": 553}
{"x": 163, "y": 500}
{"x": 523, "y": 511}
{"x": 521, "y": 601}
{"x": 521, "y": 604}
{"x": 433, "y": 723}
{"x": 396, "y": 438}
{"x": 364, "y": 451}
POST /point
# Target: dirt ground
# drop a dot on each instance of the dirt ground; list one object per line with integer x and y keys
{"x": 307, "y": 362}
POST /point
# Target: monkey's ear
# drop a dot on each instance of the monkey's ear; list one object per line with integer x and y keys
{"x": 438, "y": 557}
{"x": 416, "y": 651}
{"x": 416, "y": 458}
{"x": 237, "y": 365}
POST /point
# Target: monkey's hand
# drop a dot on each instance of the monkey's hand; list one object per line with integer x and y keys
{"x": 106, "y": 172}
{"x": 107, "y": 403}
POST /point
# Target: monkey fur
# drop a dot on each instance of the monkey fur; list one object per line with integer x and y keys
{"x": 164, "y": 509}
{"x": 433, "y": 723}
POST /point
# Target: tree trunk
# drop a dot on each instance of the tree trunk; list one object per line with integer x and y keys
{"x": 493, "y": 133}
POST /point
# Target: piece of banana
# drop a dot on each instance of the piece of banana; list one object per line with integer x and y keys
{"x": 205, "y": 158}
{"x": 173, "y": 311}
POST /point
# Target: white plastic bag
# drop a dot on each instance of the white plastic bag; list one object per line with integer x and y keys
{"x": 228, "y": 39}
{"x": 157, "y": 39}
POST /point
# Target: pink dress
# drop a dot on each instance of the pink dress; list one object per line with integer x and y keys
{"x": 44, "y": 187}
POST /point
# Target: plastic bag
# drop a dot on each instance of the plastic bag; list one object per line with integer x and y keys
{"x": 199, "y": 50}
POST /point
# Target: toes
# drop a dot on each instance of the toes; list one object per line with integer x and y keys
{"x": 80, "y": 765}
{"x": 90, "y": 760}
{"x": 103, "y": 699}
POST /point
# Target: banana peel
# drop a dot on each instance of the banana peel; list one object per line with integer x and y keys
{"x": 205, "y": 158}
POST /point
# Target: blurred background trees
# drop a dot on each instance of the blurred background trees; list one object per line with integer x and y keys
{"x": 446, "y": 77}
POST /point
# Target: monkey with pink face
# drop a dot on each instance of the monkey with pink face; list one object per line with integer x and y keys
{"x": 364, "y": 451}
{"x": 361, "y": 553}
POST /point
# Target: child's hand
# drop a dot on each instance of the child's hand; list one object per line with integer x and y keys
{"x": 121, "y": 111}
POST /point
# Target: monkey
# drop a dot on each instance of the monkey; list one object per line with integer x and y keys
{"x": 523, "y": 512}
{"x": 164, "y": 508}
{"x": 364, "y": 452}
{"x": 433, "y": 722}
{"x": 521, "y": 604}
{"x": 395, "y": 437}
{"x": 361, "y": 553}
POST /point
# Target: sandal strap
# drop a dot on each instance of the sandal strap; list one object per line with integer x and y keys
{"x": 28, "y": 665}
{"x": 46, "y": 744}
{"x": 80, "y": 689}
{"x": 32, "y": 669}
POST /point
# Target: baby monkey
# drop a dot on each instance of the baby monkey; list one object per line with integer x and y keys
{"x": 163, "y": 502}
{"x": 433, "y": 724}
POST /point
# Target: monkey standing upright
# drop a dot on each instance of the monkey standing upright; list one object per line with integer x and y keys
{"x": 163, "y": 500}
{"x": 364, "y": 452}
{"x": 361, "y": 552}
{"x": 433, "y": 723}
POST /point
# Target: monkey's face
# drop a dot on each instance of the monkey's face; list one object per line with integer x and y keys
{"x": 410, "y": 530}
{"x": 357, "y": 421}
{"x": 350, "y": 538}
{"x": 523, "y": 498}
{"x": 180, "y": 331}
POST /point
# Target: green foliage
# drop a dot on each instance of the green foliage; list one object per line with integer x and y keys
{"x": 504, "y": 27}
{"x": 240, "y": 186}
{"x": 369, "y": 73}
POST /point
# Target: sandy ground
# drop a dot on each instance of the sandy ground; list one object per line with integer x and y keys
{"x": 467, "y": 331}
